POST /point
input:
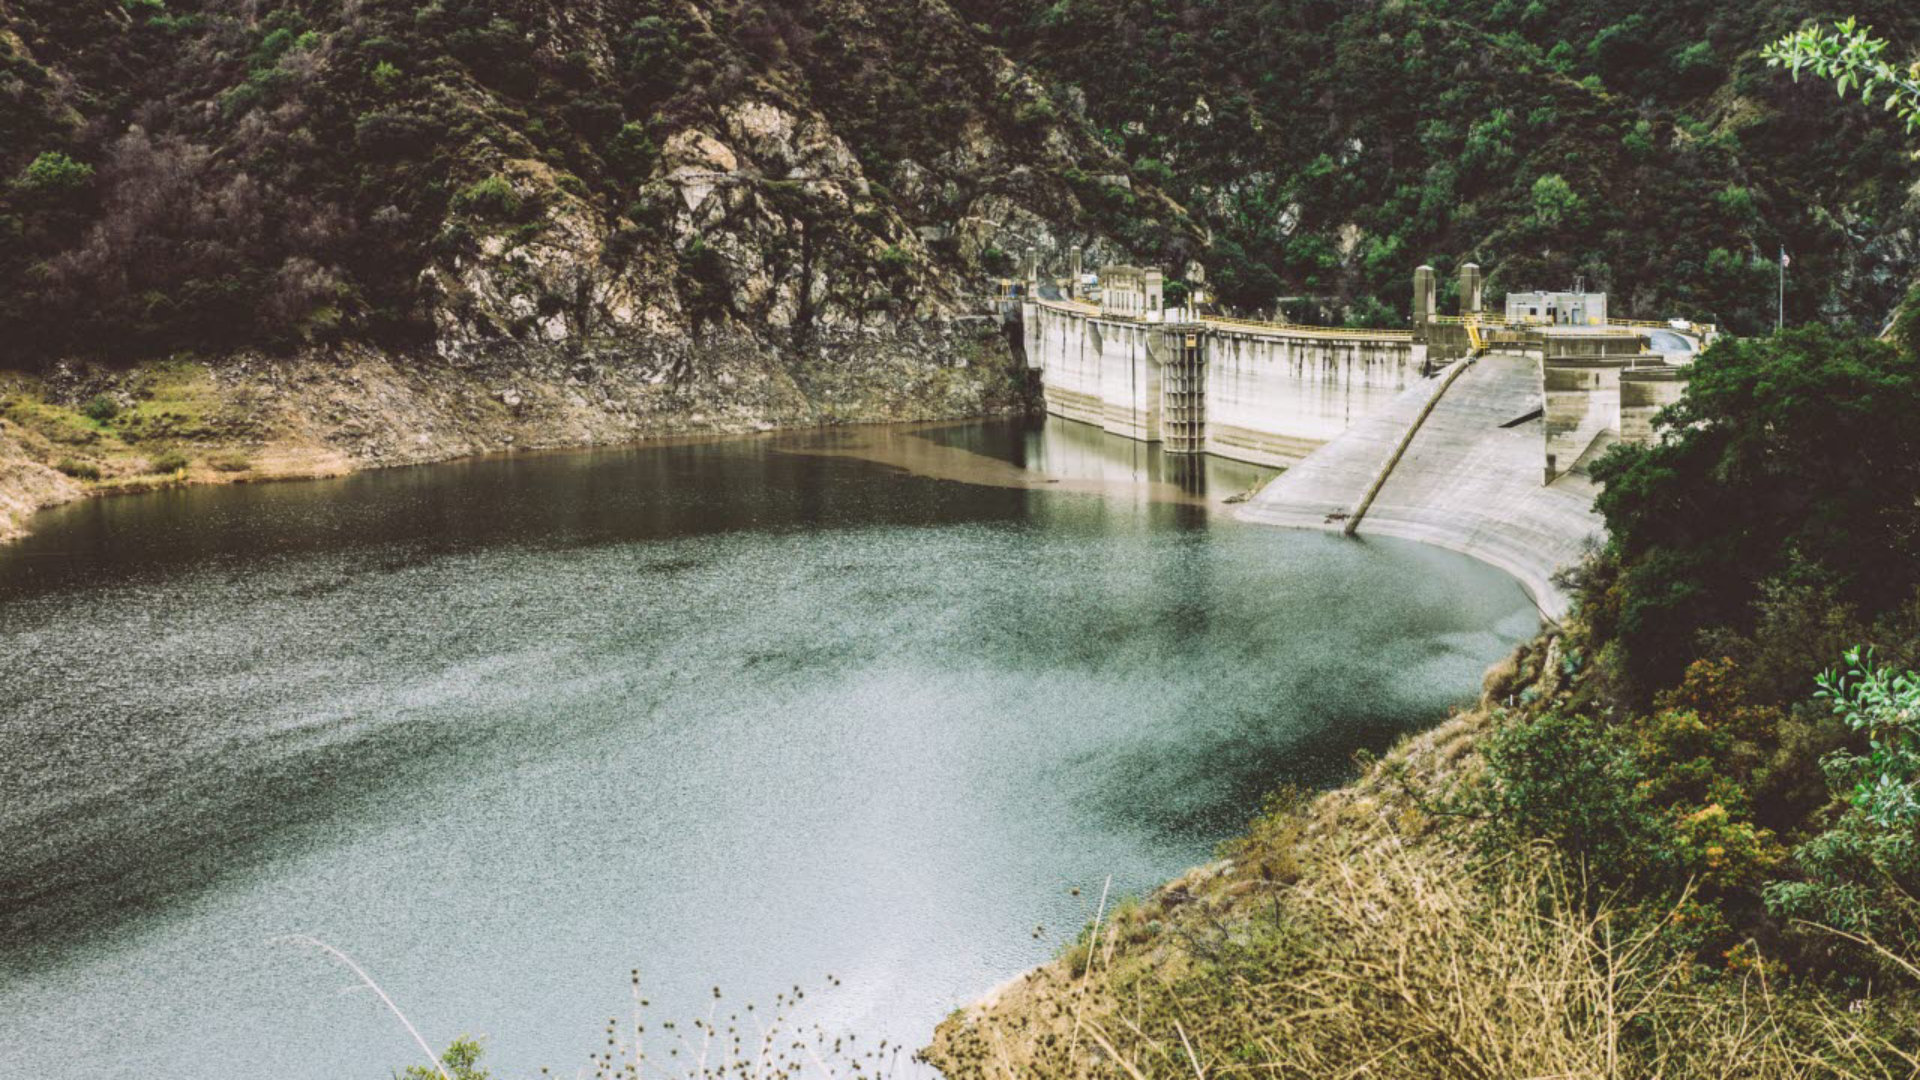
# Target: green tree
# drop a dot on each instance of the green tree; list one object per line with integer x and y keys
{"x": 1793, "y": 457}
{"x": 1554, "y": 201}
{"x": 1854, "y": 59}
{"x": 54, "y": 174}
{"x": 461, "y": 1062}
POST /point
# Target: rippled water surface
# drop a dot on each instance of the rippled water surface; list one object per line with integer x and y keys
{"x": 741, "y": 713}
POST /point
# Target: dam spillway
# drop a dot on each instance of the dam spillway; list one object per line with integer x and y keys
{"x": 1468, "y": 480}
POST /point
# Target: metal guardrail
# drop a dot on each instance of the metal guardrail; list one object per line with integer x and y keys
{"x": 1618, "y": 326}
{"x": 1255, "y": 325}
{"x": 1305, "y": 330}
{"x": 1074, "y": 306}
{"x": 1482, "y": 329}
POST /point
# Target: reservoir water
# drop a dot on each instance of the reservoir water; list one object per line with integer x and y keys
{"x": 743, "y": 713}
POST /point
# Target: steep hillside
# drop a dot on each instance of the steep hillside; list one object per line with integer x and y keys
{"x": 218, "y": 174}
{"x": 1642, "y": 145}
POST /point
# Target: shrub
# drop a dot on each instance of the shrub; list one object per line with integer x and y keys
{"x": 1034, "y": 117}
{"x": 101, "y": 408}
{"x": 79, "y": 470}
{"x": 230, "y": 461}
{"x": 894, "y": 261}
{"x": 54, "y": 174}
{"x": 1153, "y": 171}
{"x": 1573, "y": 780}
{"x": 385, "y": 77}
{"x": 1860, "y": 876}
{"x": 395, "y": 134}
{"x": 492, "y": 199}
{"x": 631, "y": 153}
{"x": 168, "y": 461}
{"x": 1554, "y": 202}
{"x": 461, "y": 1061}
{"x": 1884, "y": 706}
{"x": 709, "y": 280}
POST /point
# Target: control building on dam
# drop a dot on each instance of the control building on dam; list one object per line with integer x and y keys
{"x": 1472, "y": 430}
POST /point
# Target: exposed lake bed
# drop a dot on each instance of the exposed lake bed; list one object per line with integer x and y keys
{"x": 745, "y": 712}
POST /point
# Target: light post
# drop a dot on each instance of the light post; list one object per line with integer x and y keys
{"x": 1780, "y": 320}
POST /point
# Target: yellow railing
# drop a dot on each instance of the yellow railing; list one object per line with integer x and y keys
{"x": 1303, "y": 329}
{"x": 1622, "y": 326}
{"x": 1687, "y": 327}
{"x": 1075, "y": 306}
{"x": 1080, "y": 307}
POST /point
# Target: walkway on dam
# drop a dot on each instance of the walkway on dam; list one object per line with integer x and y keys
{"x": 1467, "y": 482}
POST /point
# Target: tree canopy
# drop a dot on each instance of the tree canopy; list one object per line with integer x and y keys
{"x": 1793, "y": 458}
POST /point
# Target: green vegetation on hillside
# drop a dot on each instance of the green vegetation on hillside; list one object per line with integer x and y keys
{"x": 1645, "y": 146}
{"x": 1737, "y": 735}
{"x": 207, "y": 174}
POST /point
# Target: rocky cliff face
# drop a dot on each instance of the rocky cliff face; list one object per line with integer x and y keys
{"x": 213, "y": 175}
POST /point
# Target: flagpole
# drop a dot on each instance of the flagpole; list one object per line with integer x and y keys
{"x": 1780, "y": 321}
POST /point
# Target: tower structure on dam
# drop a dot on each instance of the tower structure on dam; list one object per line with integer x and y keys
{"x": 1272, "y": 393}
{"x": 1472, "y": 286}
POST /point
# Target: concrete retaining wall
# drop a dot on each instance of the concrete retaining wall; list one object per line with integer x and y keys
{"x": 1099, "y": 371}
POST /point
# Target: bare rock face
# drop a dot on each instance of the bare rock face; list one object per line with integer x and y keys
{"x": 759, "y": 219}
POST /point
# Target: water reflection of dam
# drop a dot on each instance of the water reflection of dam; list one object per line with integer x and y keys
{"x": 1072, "y": 450}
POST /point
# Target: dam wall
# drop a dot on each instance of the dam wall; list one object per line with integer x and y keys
{"x": 1366, "y": 431}
{"x": 1581, "y": 400}
{"x": 1598, "y": 388}
{"x": 1260, "y": 393}
{"x": 1098, "y": 370}
{"x": 1275, "y": 397}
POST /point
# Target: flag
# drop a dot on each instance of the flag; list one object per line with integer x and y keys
{"x": 1784, "y": 261}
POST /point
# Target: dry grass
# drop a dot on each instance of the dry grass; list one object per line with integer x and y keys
{"x": 1357, "y": 938}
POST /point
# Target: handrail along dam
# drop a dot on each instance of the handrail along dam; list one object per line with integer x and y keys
{"x": 1471, "y": 431}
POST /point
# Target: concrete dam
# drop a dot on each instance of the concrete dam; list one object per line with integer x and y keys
{"x": 1470, "y": 432}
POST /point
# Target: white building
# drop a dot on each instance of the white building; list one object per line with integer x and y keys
{"x": 1558, "y": 308}
{"x": 1132, "y": 292}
